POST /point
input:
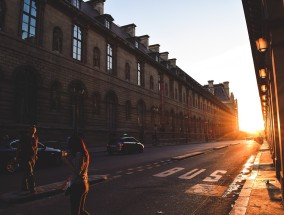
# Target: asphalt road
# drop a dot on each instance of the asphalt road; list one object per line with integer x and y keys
{"x": 152, "y": 183}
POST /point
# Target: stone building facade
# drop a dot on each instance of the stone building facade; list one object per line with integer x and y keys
{"x": 66, "y": 66}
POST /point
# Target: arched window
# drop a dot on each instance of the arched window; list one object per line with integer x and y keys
{"x": 127, "y": 72}
{"x": 151, "y": 82}
{"x": 57, "y": 40}
{"x": 2, "y": 14}
{"x": 96, "y": 103}
{"x": 96, "y": 57}
{"x": 55, "y": 96}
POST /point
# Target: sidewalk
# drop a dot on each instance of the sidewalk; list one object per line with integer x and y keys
{"x": 261, "y": 192}
{"x": 42, "y": 191}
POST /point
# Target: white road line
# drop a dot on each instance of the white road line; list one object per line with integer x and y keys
{"x": 214, "y": 177}
{"x": 169, "y": 172}
{"x": 190, "y": 174}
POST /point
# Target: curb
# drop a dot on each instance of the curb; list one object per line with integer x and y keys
{"x": 220, "y": 147}
{"x": 181, "y": 157}
{"x": 43, "y": 191}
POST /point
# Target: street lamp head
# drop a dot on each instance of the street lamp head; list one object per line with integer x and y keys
{"x": 261, "y": 44}
{"x": 263, "y": 88}
{"x": 263, "y": 72}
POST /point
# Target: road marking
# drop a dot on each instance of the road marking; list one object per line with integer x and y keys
{"x": 214, "y": 177}
{"x": 169, "y": 172}
{"x": 190, "y": 174}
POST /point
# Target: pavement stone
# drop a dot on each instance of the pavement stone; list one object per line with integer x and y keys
{"x": 261, "y": 193}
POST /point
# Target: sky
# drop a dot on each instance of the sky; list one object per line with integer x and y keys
{"x": 208, "y": 38}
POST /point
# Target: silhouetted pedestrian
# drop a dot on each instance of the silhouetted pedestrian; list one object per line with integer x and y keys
{"x": 27, "y": 156}
{"x": 78, "y": 162}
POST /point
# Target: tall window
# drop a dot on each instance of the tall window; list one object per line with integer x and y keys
{"x": 77, "y": 43}
{"x": 57, "y": 40}
{"x": 96, "y": 57}
{"x": 2, "y": 14}
{"x": 109, "y": 58}
{"x": 127, "y": 72}
{"x": 140, "y": 75}
{"x": 107, "y": 24}
{"x": 29, "y": 21}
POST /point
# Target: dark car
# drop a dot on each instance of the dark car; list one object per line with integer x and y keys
{"x": 46, "y": 156}
{"x": 124, "y": 145}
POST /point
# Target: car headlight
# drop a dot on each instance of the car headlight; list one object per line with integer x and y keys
{"x": 64, "y": 153}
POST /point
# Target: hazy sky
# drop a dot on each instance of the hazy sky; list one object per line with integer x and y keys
{"x": 208, "y": 38}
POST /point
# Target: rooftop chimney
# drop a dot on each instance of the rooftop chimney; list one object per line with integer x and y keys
{"x": 154, "y": 48}
{"x": 226, "y": 87}
{"x": 130, "y": 29}
{"x": 211, "y": 86}
{"x": 98, "y": 5}
{"x": 164, "y": 56}
{"x": 172, "y": 62}
{"x": 144, "y": 40}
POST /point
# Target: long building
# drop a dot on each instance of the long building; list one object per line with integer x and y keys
{"x": 265, "y": 24}
{"x": 66, "y": 66}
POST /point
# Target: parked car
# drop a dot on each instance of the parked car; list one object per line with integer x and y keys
{"x": 46, "y": 156}
{"x": 125, "y": 145}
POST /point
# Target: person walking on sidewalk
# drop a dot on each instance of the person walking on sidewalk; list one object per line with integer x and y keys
{"x": 27, "y": 156}
{"x": 78, "y": 162}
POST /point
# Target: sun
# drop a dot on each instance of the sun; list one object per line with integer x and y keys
{"x": 251, "y": 125}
